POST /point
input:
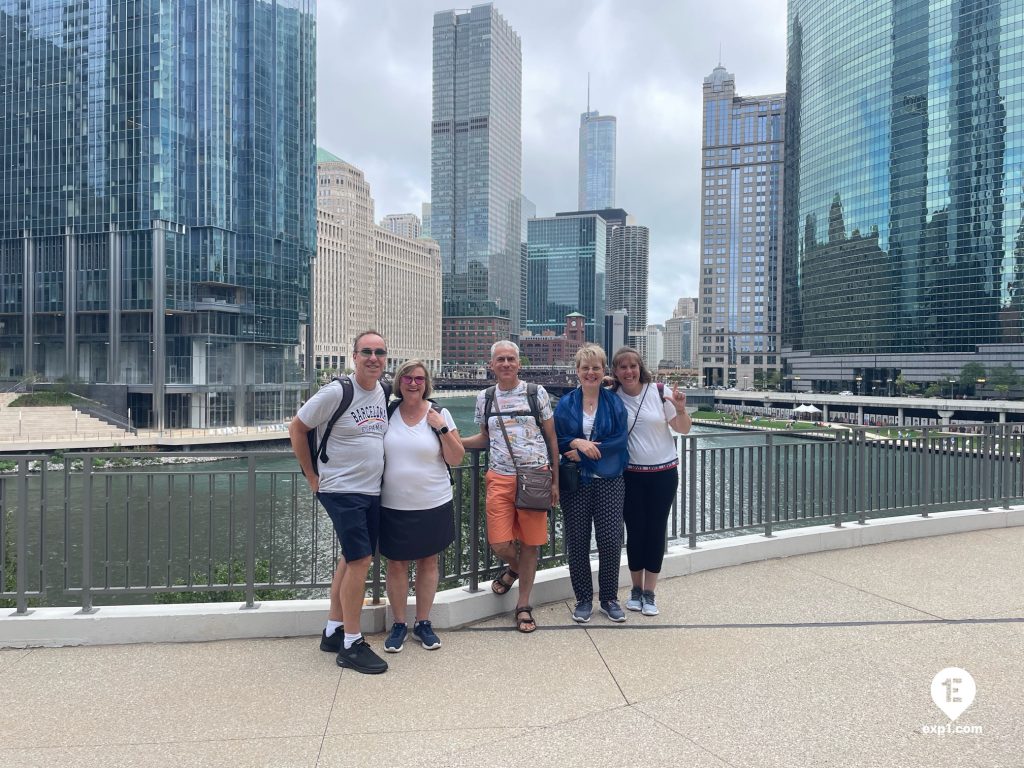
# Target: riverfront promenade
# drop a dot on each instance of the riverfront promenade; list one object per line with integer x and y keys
{"x": 823, "y": 659}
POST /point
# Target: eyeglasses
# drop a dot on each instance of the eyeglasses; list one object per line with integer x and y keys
{"x": 367, "y": 352}
{"x": 413, "y": 379}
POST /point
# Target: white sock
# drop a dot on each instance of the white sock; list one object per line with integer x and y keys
{"x": 350, "y": 639}
{"x": 333, "y": 626}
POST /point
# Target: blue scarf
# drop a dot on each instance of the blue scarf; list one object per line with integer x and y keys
{"x": 611, "y": 430}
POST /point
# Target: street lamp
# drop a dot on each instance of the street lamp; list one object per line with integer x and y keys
{"x": 981, "y": 383}
{"x": 856, "y": 386}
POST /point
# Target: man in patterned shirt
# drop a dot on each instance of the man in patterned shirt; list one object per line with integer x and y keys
{"x": 516, "y": 535}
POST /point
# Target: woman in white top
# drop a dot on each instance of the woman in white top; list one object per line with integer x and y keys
{"x": 416, "y": 512}
{"x": 652, "y": 475}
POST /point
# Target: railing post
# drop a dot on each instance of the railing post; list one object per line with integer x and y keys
{"x": 691, "y": 506}
{"x": 21, "y": 544}
{"x": 1006, "y": 444}
{"x": 250, "y": 537}
{"x": 926, "y": 473}
{"x": 87, "y": 537}
{"x": 847, "y": 467}
{"x": 986, "y": 453}
{"x": 474, "y": 520}
{"x": 771, "y": 487}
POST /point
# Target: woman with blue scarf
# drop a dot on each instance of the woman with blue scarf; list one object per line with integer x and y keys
{"x": 592, "y": 436}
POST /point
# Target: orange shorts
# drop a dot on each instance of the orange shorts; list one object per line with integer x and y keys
{"x": 505, "y": 522}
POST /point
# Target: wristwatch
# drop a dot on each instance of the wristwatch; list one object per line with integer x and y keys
{"x": 442, "y": 431}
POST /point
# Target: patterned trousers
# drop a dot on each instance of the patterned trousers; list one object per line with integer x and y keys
{"x": 598, "y": 506}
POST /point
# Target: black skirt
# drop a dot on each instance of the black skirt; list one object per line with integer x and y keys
{"x": 412, "y": 534}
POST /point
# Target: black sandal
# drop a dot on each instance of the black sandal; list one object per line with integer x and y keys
{"x": 523, "y": 625}
{"x": 499, "y": 586}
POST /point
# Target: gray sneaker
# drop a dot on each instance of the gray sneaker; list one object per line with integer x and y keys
{"x": 649, "y": 607}
{"x": 613, "y": 610}
{"x": 634, "y": 603}
{"x": 583, "y": 611}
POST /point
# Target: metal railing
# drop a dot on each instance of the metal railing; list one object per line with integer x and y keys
{"x": 141, "y": 525}
{"x": 91, "y": 408}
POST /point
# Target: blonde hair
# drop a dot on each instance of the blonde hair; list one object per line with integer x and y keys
{"x": 405, "y": 369}
{"x": 621, "y": 352}
{"x": 591, "y": 352}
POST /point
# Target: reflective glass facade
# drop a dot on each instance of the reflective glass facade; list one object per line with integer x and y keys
{"x": 597, "y": 161}
{"x": 157, "y": 202}
{"x": 904, "y": 242}
{"x": 566, "y": 273}
{"x": 476, "y": 162}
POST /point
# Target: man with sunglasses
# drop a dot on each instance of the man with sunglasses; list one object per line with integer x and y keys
{"x": 348, "y": 486}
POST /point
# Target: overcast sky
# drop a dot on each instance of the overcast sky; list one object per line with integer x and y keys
{"x": 647, "y": 59}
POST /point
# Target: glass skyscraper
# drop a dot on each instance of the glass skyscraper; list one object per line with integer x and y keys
{"x": 476, "y": 167}
{"x": 597, "y": 161}
{"x": 157, "y": 202}
{"x": 566, "y": 273}
{"x": 904, "y": 231}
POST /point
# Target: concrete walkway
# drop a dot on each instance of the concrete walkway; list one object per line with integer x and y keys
{"x": 817, "y": 660}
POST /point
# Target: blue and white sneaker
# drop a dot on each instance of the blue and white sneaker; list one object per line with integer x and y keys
{"x": 613, "y": 610}
{"x": 396, "y": 639}
{"x": 426, "y": 635}
{"x": 634, "y": 603}
{"x": 582, "y": 612}
{"x": 650, "y": 608}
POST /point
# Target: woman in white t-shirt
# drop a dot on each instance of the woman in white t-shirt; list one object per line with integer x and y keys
{"x": 652, "y": 475}
{"x": 416, "y": 511}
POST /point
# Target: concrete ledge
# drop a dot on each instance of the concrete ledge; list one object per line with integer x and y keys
{"x": 455, "y": 607}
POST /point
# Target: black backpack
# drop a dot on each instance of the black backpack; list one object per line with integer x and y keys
{"x": 531, "y": 397}
{"x": 319, "y": 452}
{"x": 393, "y": 406}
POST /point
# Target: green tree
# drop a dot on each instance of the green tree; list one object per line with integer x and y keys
{"x": 933, "y": 390}
{"x": 774, "y": 378}
{"x": 524, "y": 360}
{"x": 901, "y": 384}
{"x": 969, "y": 376}
{"x": 910, "y": 388}
{"x": 1004, "y": 378}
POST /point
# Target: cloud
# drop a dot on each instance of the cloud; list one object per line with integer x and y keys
{"x": 647, "y": 62}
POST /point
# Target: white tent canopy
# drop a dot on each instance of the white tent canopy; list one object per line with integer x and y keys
{"x": 807, "y": 409}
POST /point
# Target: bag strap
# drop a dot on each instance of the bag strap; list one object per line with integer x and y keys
{"x": 347, "y": 395}
{"x": 501, "y": 423}
{"x": 635, "y": 418}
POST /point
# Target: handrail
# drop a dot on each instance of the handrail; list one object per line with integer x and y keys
{"x": 91, "y": 408}
{"x": 241, "y": 524}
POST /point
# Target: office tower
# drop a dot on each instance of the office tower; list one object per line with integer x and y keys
{"x": 156, "y": 224}
{"x": 403, "y": 224}
{"x": 685, "y": 307}
{"x": 904, "y": 252}
{"x": 425, "y": 225}
{"x": 654, "y": 346}
{"x": 527, "y": 211}
{"x": 566, "y": 257}
{"x": 476, "y": 171}
{"x": 740, "y": 233}
{"x": 343, "y": 191}
{"x": 627, "y": 268}
{"x": 597, "y": 161}
{"x": 366, "y": 276}
{"x": 616, "y": 332}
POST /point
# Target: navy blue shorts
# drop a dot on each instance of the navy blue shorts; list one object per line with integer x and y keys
{"x": 356, "y": 518}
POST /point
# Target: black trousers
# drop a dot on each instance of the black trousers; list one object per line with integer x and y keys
{"x": 648, "y": 502}
{"x": 597, "y": 505}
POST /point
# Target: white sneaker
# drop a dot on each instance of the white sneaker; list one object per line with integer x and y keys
{"x": 634, "y": 603}
{"x": 648, "y": 606}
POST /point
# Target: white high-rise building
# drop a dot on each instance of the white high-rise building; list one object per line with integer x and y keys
{"x": 366, "y": 277}
{"x": 404, "y": 224}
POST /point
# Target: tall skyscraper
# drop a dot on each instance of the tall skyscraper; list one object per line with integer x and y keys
{"x": 740, "y": 233}
{"x": 476, "y": 169}
{"x": 527, "y": 211}
{"x": 425, "y": 220}
{"x": 597, "y": 161}
{"x": 904, "y": 250}
{"x": 566, "y": 257}
{"x": 157, "y": 203}
{"x": 628, "y": 267}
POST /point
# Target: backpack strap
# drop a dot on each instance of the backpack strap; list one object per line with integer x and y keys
{"x": 661, "y": 391}
{"x": 347, "y": 394}
{"x": 488, "y": 403}
{"x": 531, "y": 398}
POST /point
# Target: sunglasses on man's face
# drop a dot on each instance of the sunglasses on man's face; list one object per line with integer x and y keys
{"x": 367, "y": 352}
{"x": 413, "y": 379}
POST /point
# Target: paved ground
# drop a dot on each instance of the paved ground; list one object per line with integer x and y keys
{"x": 819, "y": 660}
